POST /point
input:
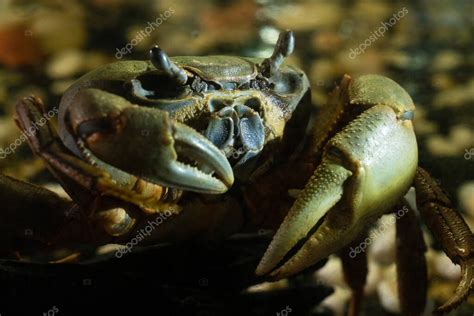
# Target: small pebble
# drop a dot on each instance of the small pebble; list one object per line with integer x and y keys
{"x": 446, "y": 60}
{"x": 268, "y": 286}
{"x": 466, "y": 197}
{"x": 458, "y": 96}
{"x": 444, "y": 267}
{"x": 387, "y": 290}
{"x": 331, "y": 273}
{"x": 337, "y": 301}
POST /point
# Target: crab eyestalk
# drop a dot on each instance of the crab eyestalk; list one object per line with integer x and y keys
{"x": 161, "y": 61}
{"x": 283, "y": 48}
{"x": 365, "y": 168}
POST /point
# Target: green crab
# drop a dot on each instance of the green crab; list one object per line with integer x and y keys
{"x": 228, "y": 140}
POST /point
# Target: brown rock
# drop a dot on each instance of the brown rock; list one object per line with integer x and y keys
{"x": 18, "y": 46}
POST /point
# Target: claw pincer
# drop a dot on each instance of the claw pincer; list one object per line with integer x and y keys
{"x": 359, "y": 178}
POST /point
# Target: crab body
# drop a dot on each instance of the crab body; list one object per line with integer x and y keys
{"x": 228, "y": 140}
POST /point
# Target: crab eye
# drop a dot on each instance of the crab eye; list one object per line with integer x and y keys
{"x": 335, "y": 153}
{"x": 408, "y": 115}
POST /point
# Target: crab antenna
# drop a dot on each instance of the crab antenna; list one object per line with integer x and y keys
{"x": 283, "y": 48}
{"x": 161, "y": 61}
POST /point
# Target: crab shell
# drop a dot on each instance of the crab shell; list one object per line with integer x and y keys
{"x": 180, "y": 122}
{"x": 232, "y": 76}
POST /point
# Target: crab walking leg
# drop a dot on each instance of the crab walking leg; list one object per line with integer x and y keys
{"x": 32, "y": 212}
{"x": 411, "y": 262}
{"x": 44, "y": 142}
{"x": 355, "y": 274}
{"x": 450, "y": 230}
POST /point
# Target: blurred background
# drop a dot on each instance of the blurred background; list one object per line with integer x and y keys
{"x": 426, "y": 46}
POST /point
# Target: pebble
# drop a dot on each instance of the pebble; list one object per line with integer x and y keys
{"x": 466, "y": 197}
{"x": 58, "y": 87}
{"x": 337, "y": 301}
{"x": 308, "y": 16}
{"x": 72, "y": 62}
{"x": 108, "y": 249}
{"x": 331, "y": 273}
{"x": 66, "y": 63}
{"x": 458, "y": 96}
{"x": 324, "y": 71}
{"x": 268, "y": 286}
{"x": 442, "y": 81}
{"x": 327, "y": 42}
{"x": 58, "y": 189}
{"x": 446, "y": 60}
{"x": 9, "y": 132}
{"x": 459, "y": 139}
{"x": 374, "y": 276}
{"x": 238, "y": 19}
{"x": 422, "y": 124}
{"x": 387, "y": 290}
{"x": 443, "y": 267}
{"x": 382, "y": 248}
{"x": 59, "y": 30}
{"x": 18, "y": 47}
{"x": 379, "y": 11}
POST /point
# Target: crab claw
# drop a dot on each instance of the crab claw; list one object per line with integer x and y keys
{"x": 323, "y": 191}
{"x": 360, "y": 176}
{"x": 147, "y": 143}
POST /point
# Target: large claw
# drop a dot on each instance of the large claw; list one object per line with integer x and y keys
{"x": 147, "y": 143}
{"x": 365, "y": 168}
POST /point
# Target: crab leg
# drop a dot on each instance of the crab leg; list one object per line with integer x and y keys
{"x": 43, "y": 141}
{"x": 411, "y": 262}
{"x": 355, "y": 274}
{"x": 450, "y": 230}
{"x": 34, "y": 213}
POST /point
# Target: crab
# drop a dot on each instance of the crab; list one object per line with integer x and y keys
{"x": 236, "y": 142}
